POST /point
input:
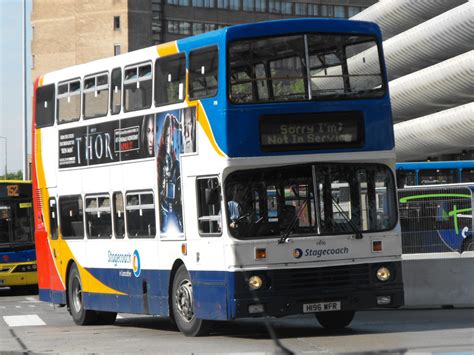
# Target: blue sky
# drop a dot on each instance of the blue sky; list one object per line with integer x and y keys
{"x": 11, "y": 86}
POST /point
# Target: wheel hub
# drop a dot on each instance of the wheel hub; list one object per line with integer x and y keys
{"x": 77, "y": 296}
{"x": 184, "y": 300}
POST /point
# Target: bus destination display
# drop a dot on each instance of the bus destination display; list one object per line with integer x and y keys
{"x": 311, "y": 131}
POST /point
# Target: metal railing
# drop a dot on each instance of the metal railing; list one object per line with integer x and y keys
{"x": 437, "y": 219}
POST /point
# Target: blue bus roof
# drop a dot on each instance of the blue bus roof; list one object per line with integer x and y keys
{"x": 238, "y": 135}
{"x": 280, "y": 27}
{"x": 459, "y": 164}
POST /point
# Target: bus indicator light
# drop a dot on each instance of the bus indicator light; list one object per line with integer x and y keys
{"x": 184, "y": 249}
{"x": 260, "y": 253}
{"x": 377, "y": 246}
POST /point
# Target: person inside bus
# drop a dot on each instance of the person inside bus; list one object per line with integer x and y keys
{"x": 4, "y": 224}
{"x": 237, "y": 208}
{"x": 148, "y": 136}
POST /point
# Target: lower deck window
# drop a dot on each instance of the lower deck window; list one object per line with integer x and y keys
{"x": 438, "y": 176}
{"x": 140, "y": 210}
{"x": 71, "y": 217}
{"x": 98, "y": 217}
{"x": 209, "y": 210}
{"x": 119, "y": 219}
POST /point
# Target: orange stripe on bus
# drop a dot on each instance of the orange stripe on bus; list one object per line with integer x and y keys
{"x": 60, "y": 247}
{"x": 167, "y": 49}
{"x": 205, "y": 125}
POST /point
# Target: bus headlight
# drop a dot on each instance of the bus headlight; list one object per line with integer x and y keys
{"x": 255, "y": 282}
{"x": 25, "y": 268}
{"x": 383, "y": 274}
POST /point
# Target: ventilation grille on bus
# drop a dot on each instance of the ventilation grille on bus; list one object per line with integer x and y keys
{"x": 38, "y": 199}
{"x": 321, "y": 278}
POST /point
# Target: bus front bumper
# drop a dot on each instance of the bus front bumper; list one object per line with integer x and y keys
{"x": 301, "y": 291}
{"x": 11, "y": 276}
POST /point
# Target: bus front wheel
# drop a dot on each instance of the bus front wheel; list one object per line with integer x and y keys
{"x": 80, "y": 315}
{"x": 335, "y": 320}
{"x": 182, "y": 304}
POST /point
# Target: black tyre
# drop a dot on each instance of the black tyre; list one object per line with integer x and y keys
{"x": 467, "y": 244}
{"x": 106, "y": 318}
{"x": 335, "y": 320}
{"x": 182, "y": 306}
{"x": 80, "y": 315}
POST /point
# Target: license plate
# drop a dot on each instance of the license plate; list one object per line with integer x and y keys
{"x": 2, "y": 281}
{"x": 321, "y": 307}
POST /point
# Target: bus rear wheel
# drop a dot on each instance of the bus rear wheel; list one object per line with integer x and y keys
{"x": 468, "y": 244}
{"x": 182, "y": 306}
{"x": 80, "y": 315}
{"x": 335, "y": 320}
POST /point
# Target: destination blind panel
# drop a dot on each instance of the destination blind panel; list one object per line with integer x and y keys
{"x": 310, "y": 131}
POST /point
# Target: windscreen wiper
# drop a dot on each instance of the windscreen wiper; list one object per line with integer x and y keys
{"x": 358, "y": 233}
{"x": 292, "y": 225}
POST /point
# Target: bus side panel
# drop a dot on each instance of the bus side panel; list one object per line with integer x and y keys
{"x": 143, "y": 294}
{"x": 50, "y": 287}
{"x": 210, "y": 294}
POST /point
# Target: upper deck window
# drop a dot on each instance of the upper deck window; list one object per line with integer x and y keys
{"x": 203, "y": 69}
{"x": 137, "y": 86}
{"x": 115, "y": 95}
{"x": 69, "y": 101}
{"x": 96, "y": 95}
{"x": 304, "y": 67}
{"x": 170, "y": 78}
{"x": 45, "y": 106}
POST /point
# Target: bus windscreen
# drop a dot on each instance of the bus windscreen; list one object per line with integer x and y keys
{"x": 304, "y": 67}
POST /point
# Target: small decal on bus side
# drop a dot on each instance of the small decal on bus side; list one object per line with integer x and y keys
{"x": 136, "y": 264}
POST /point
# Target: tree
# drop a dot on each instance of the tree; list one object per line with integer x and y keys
{"x": 18, "y": 175}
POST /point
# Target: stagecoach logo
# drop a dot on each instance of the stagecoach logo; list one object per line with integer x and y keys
{"x": 136, "y": 264}
{"x": 297, "y": 253}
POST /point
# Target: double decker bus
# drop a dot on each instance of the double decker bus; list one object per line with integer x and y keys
{"x": 244, "y": 172}
{"x": 435, "y": 173}
{"x": 17, "y": 247}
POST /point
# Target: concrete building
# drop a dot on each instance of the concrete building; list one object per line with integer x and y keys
{"x": 70, "y": 32}
{"x": 174, "y": 19}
